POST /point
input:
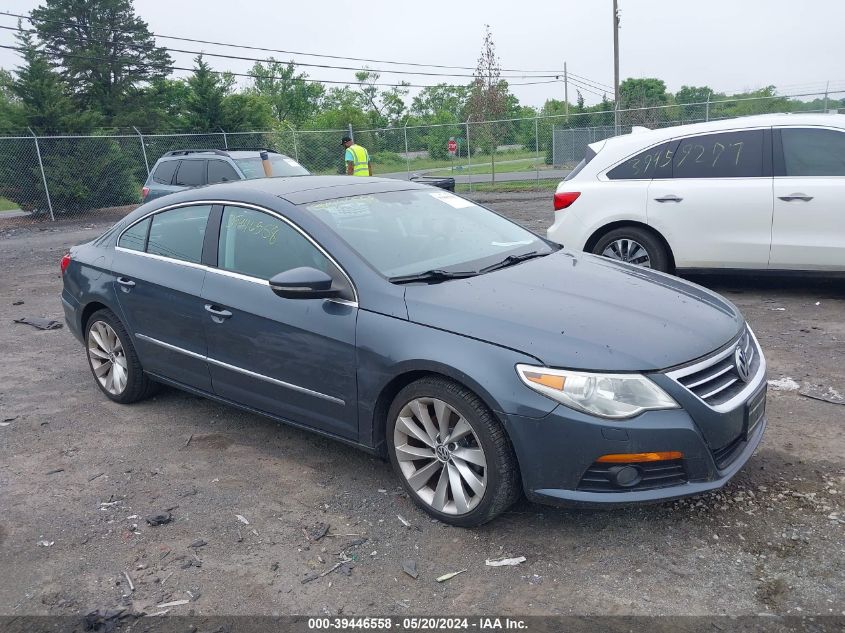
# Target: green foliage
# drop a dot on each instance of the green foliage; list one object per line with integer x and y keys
{"x": 291, "y": 97}
{"x": 103, "y": 48}
{"x": 439, "y": 102}
{"x": 46, "y": 107}
{"x": 206, "y": 92}
{"x": 92, "y": 173}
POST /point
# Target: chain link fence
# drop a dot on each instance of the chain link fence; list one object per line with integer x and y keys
{"x": 56, "y": 177}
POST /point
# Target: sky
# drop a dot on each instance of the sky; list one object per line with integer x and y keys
{"x": 729, "y": 45}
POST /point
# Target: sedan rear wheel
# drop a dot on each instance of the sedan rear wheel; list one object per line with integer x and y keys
{"x": 452, "y": 455}
{"x": 107, "y": 357}
{"x": 113, "y": 360}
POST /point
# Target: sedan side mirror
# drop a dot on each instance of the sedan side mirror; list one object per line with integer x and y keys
{"x": 304, "y": 283}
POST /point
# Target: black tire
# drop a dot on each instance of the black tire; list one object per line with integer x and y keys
{"x": 503, "y": 483}
{"x": 138, "y": 385}
{"x": 657, "y": 253}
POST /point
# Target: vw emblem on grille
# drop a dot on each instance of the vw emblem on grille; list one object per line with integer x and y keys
{"x": 743, "y": 364}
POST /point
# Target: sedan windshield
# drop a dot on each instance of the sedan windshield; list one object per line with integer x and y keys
{"x": 434, "y": 234}
{"x": 282, "y": 166}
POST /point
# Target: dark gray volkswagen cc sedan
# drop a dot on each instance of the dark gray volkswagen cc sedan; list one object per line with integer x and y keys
{"x": 413, "y": 323}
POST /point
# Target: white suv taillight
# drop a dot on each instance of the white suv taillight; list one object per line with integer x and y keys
{"x": 565, "y": 199}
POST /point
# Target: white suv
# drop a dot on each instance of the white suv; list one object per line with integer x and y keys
{"x": 758, "y": 193}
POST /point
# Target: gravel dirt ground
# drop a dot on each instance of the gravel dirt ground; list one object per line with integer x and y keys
{"x": 249, "y": 497}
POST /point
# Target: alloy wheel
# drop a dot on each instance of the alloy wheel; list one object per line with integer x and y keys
{"x": 628, "y": 250}
{"x": 440, "y": 456}
{"x": 108, "y": 359}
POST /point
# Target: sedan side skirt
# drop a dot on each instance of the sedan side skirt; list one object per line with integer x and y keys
{"x": 241, "y": 370}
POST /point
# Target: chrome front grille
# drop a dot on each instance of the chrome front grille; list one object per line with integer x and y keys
{"x": 718, "y": 379}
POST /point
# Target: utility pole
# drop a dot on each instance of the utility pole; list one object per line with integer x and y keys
{"x": 616, "y": 62}
{"x": 565, "y": 92}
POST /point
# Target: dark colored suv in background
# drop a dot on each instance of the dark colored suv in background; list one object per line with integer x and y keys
{"x": 188, "y": 168}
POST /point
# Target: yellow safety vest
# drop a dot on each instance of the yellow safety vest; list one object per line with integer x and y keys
{"x": 361, "y": 161}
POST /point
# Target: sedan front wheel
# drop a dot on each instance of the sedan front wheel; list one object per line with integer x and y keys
{"x": 452, "y": 455}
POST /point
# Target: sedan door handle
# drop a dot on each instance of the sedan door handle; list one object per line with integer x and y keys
{"x": 217, "y": 314}
{"x": 796, "y": 196}
{"x": 127, "y": 283}
{"x": 669, "y": 198}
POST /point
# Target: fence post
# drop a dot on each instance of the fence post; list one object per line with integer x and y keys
{"x": 554, "y": 145}
{"x": 826, "y": 88}
{"x": 295, "y": 149}
{"x": 43, "y": 175}
{"x": 225, "y": 140}
{"x": 143, "y": 149}
{"x": 707, "y": 107}
{"x": 407, "y": 155}
{"x": 469, "y": 158}
{"x": 537, "y": 146}
{"x": 351, "y": 133}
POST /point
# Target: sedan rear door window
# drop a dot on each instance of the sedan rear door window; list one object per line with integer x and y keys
{"x": 724, "y": 155}
{"x": 813, "y": 152}
{"x": 191, "y": 173}
{"x": 260, "y": 245}
{"x": 135, "y": 238}
{"x": 179, "y": 233}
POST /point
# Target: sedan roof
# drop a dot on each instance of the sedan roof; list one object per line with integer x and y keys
{"x": 305, "y": 189}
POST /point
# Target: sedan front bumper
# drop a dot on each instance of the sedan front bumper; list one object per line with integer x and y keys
{"x": 557, "y": 455}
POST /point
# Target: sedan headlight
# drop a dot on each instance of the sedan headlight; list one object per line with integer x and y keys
{"x": 615, "y": 396}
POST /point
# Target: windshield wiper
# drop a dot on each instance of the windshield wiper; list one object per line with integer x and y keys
{"x": 510, "y": 260}
{"x": 433, "y": 275}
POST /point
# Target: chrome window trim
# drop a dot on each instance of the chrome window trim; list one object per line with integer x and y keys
{"x": 241, "y": 370}
{"x": 740, "y": 397}
{"x": 246, "y": 205}
{"x": 161, "y": 258}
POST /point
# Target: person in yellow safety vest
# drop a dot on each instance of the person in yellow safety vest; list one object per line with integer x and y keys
{"x": 357, "y": 159}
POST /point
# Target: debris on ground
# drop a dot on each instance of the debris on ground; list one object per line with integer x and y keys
{"x": 505, "y": 562}
{"x": 242, "y": 519}
{"x": 40, "y": 323}
{"x": 820, "y": 398}
{"x": 198, "y": 543}
{"x": 19, "y": 302}
{"x": 93, "y": 477}
{"x": 55, "y": 471}
{"x": 12, "y": 419}
{"x": 410, "y": 568}
{"x": 43, "y": 543}
{"x": 175, "y": 603}
{"x": 129, "y": 581}
{"x": 449, "y": 576}
{"x": 404, "y": 521}
{"x": 160, "y": 519}
{"x": 784, "y": 384}
{"x": 778, "y": 309}
{"x": 5, "y": 423}
{"x": 317, "y": 532}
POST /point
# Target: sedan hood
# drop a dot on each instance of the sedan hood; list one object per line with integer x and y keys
{"x": 580, "y": 311}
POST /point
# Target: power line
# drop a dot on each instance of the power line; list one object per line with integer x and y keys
{"x": 251, "y": 76}
{"x": 325, "y": 66}
{"x": 590, "y": 82}
{"x": 288, "y": 52}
